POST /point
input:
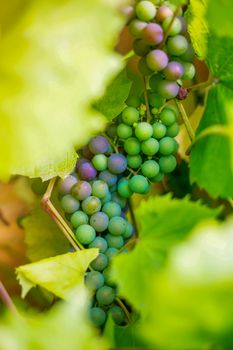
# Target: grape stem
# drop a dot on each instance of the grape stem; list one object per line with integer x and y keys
{"x": 186, "y": 121}
{"x": 146, "y": 99}
{"x": 123, "y": 307}
{"x": 133, "y": 218}
{"x": 7, "y": 299}
{"x": 48, "y": 206}
{"x": 203, "y": 85}
{"x": 111, "y": 143}
{"x": 169, "y": 28}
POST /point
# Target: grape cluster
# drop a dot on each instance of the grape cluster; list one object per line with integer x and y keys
{"x": 96, "y": 213}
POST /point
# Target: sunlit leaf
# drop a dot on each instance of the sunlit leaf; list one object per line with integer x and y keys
{"x": 219, "y": 16}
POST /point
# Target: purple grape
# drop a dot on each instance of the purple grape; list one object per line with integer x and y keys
{"x": 163, "y": 12}
{"x": 81, "y": 190}
{"x": 108, "y": 177}
{"x": 99, "y": 221}
{"x": 117, "y": 163}
{"x": 65, "y": 185}
{"x": 86, "y": 171}
{"x": 153, "y": 34}
{"x": 99, "y": 144}
{"x": 136, "y": 27}
{"x": 173, "y": 71}
{"x": 157, "y": 60}
{"x": 81, "y": 161}
{"x": 168, "y": 89}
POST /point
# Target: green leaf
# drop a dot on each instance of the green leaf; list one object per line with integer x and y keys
{"x": 42, "y": 236}
{"x": 212, "y": 157}
{"x": 55, "y": 60}
{"x": 59, "y": 274}
{"x": 163, "y": 222}
{"x": 113, "y": 102}
{"x": 198, "y": 27}
{"x": 192, "y": 297}
{"x": 219, "y": 16}
{"x": 65, "y": 326}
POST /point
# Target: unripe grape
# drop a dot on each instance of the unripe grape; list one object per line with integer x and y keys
{"x": 159, "y": 130}
{"x": 124, "y": 131}
{"x": 65, "y": 185}
{"x": 189, "y": 71}
{"x": 128, "y": 12}
{"x": 145, "y": 10}
{"x": 117, "y": 226}
{"x": 134, "y": 162}
{"x": 157, "y": 178}
{"x": 99, "y": 144}
{"x": 152, "y": 34}
{"x": 155, "y": 100}
{"x": 132, "y": 146}
{"x": 174, "y": 109}
{"x": 184, "y": 27}
{"x": 166, "y": 146}
{"x": 100, "y": 162}
{"x": 69, "y": 204}
{"x": 114, "y": 241}
{"x": 117, "y": 314}
{"x": 97, "y": 316}
{"x": 177, "y": 45}
{"x": 123, "y": 188}
{"x": 91, "y": 205}
{"x": 175, "y": 28}
{"x": 112, "y": 209}
{"x": 130, "y": 115}
{"x": 133, "y": 101}
{"x": 188, "y": 55}
{"x": 99, "y": 242}
{"x": 107, "y": 273}
{"x": 143, "y": 131}
{"x": 86, "y": 171}
{"x": 150, "y": 168}
{"x": 157, "y": 60}
{"x": 174, "y": 71}
{"x": 167, "y": 164}
{"x": 108, "y": 177}
{"x": 99, "y": 188}
{"x": 167, "y": 116}
{"x": 79, "y": 218}
{"x": 141, "y": 48}
{"x": 111, "y": 252}
{"x": 173, "y": 130}
{"x": 99, "y": 221}
{"x": 107, "y": 198}
{"x": 168, "y": 89}
{"x": 81, "y": 190}
{"x": 150, "y": 147}
{"x": 138, "y": 184}
{"x": 143, "y": 67}
{"x": 129, "y": 231}
{"x": 118, "y": 199}
{"x": 94, "y": 280}
{"x": 154, "y": 81}
{"x": 163, "y": 12}
{"x": 117, "y": 163}
{"x": 105, "y": 295}
{"x": 136, "y": 27}
{"x": 85, "y": 234}
{"x": 100, "y": 262}
{"x": 111, "y": 131}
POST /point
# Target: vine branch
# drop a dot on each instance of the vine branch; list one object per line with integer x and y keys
{"x": 186, "y": 121}
{"x": 7, "y": 299}
{"x": 146, "y": 99}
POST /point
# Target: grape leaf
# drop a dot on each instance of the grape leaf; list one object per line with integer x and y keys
{"x": 65, "y": 326}
{"x": 178, "y": 2}
{"x": 55, "y": 60}
{"x": 219, "y": 16}
{"x": 163, "y": 222}
{"x": 211, "y": 157}
{"x": 42, "y": 236}
{"x": 198, "y": 27}
{"x": 59, "y": 274}
{"x": 113, "y": 102}
{"x": 192, "y": 297}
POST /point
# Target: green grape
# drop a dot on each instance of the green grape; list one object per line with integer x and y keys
{"x": 124, "y": 131}
{"x": 130, "y": 115}
{"x": 167, "y": 164}
{"x": 136, "y": 28}
{"x": 143, "y": 67}
{"x": 134, "y": 162}
{"x": 174, "y": 109}
{"x": 117, "y": 314}
{"x": 107, "y": 273}
{"x": 132, "y": 146}
{"x": 173, "y": 130}
{"x": 118, "y": 199}
{"x": 100, "y": 262}
{"x": 150, "y": 147}
{"x": 114, "y": 241}
{"x": 85, "y": 234}
{"x": 123, "y": 188}
{"x": 177, "y": 45}
{"x": 111, "y": 252}
{"x": 157, "y": 178}
{"x": 79, "y": 218}
{"x": 150, "y": 168}
{"x": 133, "y": 101}
{"x": 91, "y": 205}
{"x": 155, "y": 100}
{"x": 167, "y": 146}
{"x": 105, "y": 295}
{"x": 189, "y": 71}
{"x": 69, "y": 204}
{"x": 189, "y": 54}
{"x": 97, "y": 316}
{"x": 112, "y": 209}
{"x": 167, "y": 116}
{"x": 143, "y": 131}
{"x": 99, "y": 242}
{"x": 145, "y": 10}
{"x": 99, "y": 189}
{"x": 139, "y": 184}
{"x": 94, "y": 280}
{"x": 159, "y": 130}
{"x": 100, "y": 162}
{"x": 129, "y": 230}
{"x": 107, "y": 198}
{"x": 175, "y": 28}
{"x": 154, "y": 81}
{"x": 117, "y": 226}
